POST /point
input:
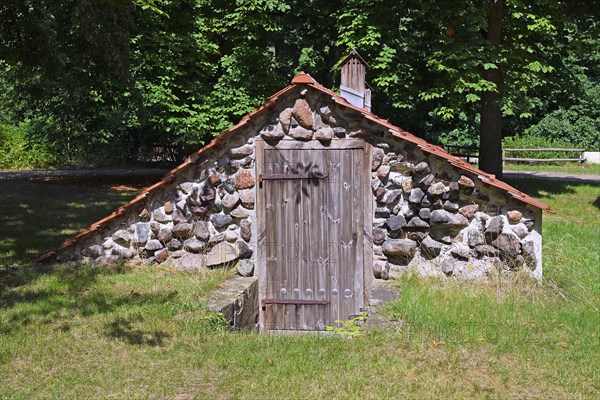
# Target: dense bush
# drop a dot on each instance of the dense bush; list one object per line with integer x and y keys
{"x": 579, "y": 124}
{"x": 17, "y": 152}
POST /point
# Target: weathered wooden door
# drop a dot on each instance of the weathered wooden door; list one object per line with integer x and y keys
{"x": 311, "y": 242}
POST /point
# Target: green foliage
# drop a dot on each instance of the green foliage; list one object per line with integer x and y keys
{"x": 17, "y": 152}
{"x": 349, "y": 328}
{"x": 538, "y": 142}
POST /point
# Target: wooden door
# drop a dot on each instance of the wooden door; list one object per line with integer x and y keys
{"x": 311, "y": 218}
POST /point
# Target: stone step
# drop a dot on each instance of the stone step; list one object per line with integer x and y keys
{"x": 237, "y": 300}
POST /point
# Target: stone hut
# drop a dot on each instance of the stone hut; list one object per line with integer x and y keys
{"x": 316, "y": 196}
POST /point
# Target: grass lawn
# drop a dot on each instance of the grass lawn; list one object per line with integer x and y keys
{"x": 144, "y": 332}
{"x": 567, "y": 168}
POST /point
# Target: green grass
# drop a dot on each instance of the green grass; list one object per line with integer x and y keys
{"x": 144, "y": 332}
{"x": 567, "y": 168}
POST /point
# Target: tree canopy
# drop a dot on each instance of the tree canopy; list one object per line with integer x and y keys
{"x": 119, "y": 81}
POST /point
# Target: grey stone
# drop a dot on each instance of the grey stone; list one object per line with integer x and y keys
{"x": 436, "y": 189}
{"x": 123, "y": 252}
{"x": 508, "y": 243}
{"x": 381, "y": 269}
{"x": 392, "y": 196}
{"x": 399, "y": 247}
{"x": 529, "y": 223}
{"x": 465, "y": 183}
{"x": 122, "y": 237}
{"x": 450, "y": 206}
{"x": 375, "y": 183}
{"x": 300, "y": 133}
{"x": 416, "y": 195}
{"x": 160, "y": 216}
{"x": 396, "y": 222}
{"x": 421, "y": 168}
{"x": 142, "y": 231}
{"x": 460, "y": 251}
{"x": 200, "y": 230}
{"x": 165, "y": 235}
{"x": 417, "y": 236}
{"x": 339, "y": 132}
{"x": 246, "y": 230}
{"x": 245, "y": 268}
{"x": 231, "y": 235}
{"x": 239, "y": 212}
{"x": 272, "y": 132}
{"x": 427, "y": 180}
{"x": 417, "y": 222}
{"x": 178, "y": 217}
{"x": 494, "y": 229}
{"x": 475, "y": 238}
{"x": 424, "y": 213}
{"x": 230, "y": 200}
{"x": 448, "y": 266}
{"x": 325, "y": 111}
{"x": 443, "y": 217}
{"x": 247, "y": 198}
{"x": 194, "y": 245}
{"x": 520, "y": 230}
{"x": 240, "y": 152}
{"x": 382, "y": 212}
{"x": 486, "y": 250}
{"x": 529, "y": 253}
{"x": 186, "y": 187}
{"x": 222, "y": 253}
{"x": 232, "y": 165}
{"x": 190, "y": 263}
{"x": 153, "y": 245}
{"x": 430, "y": 248}
{"x": 207, "y": 194}
{"x": 183, "y": 229}
{"x": 379, "y": 235}
{"x": 409, "y": 213}
{"x": 425, "y": 202}
{"x": 324, "y": 134}
{"x": 93, "y": 251}
{"x": 221, "y": 220}
{"x": 175, "y": 244}
{"x": 377, "y": 158}
{"x": 219, "y": 237}
{"x": 108, "y": 243}
{"x": 178, "y": 253}
{"x": 243, "y": 250}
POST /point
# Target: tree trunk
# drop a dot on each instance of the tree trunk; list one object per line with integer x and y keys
{"x": 490, "y": 130}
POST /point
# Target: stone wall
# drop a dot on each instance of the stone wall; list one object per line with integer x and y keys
{"x": 428, "y": 216}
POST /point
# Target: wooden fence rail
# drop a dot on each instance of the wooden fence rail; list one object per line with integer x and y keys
{"x": 472, "y": 153}
{"x": 580, "y": 159}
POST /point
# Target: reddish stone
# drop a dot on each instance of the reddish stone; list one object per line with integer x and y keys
{"x": 383, "y": 172}
{"x": 466, "y": 183}
{"x": 144, "y": 215}
{"x": 244, "y": 179}
{"x": 302, "y": 114}
{"x": 514, "y": 216}
{"x": 161, "y": 256}
{"x": 469, "y": 211}
{"x": 214, "y": 179}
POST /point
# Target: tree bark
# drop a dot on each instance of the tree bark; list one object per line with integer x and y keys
{"x": 490, "y": 129}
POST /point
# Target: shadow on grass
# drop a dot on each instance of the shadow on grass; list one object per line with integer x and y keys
{"x": 37, "y": 215}
{"x": 123, "y": 329}
{"x": 70, "y": 292}
{"x": 545, "y": 188}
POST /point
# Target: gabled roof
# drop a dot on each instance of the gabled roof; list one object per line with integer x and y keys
{"x": 300, "y": 79}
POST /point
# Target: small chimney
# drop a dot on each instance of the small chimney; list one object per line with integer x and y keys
{"x": 353, "y": 86}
